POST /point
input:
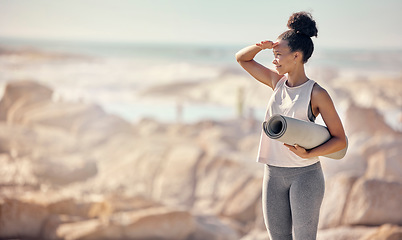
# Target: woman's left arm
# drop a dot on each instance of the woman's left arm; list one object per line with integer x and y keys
{"x": 322, "y": 103}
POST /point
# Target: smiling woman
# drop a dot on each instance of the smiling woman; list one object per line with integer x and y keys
{"x": 295, "y": 204}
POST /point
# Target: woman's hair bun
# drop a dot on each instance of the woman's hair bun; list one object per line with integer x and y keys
{"x": 302, "y": 22}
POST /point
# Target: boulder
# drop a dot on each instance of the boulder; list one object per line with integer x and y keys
{"x": 30, "y": 103}
{"x": 345, "y": 233}
{"x": 337, "y": 191}
{"x": 52, "y": 224}
{"x": 259, "y": 219}
{"x": 212, "y": 228}
{"x": 21, "y": 219}
{"x": 22, "y": 93}
{"x": 386, "y": 164}
{"x": 354, "y": 162}
{"x": 17, "y": 172}
{"x": 380, "y": 142}
{"x": 249, "y": 144}
{"x": 177, "y": 181}
{"x": 155, "y": 223}
{"x": 385, "y": 232}
{"x": 373, "y": 202}
{"x": 77, "y": 118}
{"x": 362, "y": 147}
{"x": 208, "y": 174}
{"x": 129, "y": 164}
{"x": 64, "y": 170}
{"x": 82, "y": 208}
{"x": 120, "y": 203}
{"x": 219, "y": 179}
{"x": 233, "y": 175}
{"x": 241, "y": 204}
{"x": 256, "y": 234}
{"x": 149, "y": 126}
{"x": 67, "y": 228}
{"x": 33, "y": 141}
{"x": 369, "y": 120}
{"x": 152, "y": 223}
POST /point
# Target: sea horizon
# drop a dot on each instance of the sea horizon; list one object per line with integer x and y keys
{"x": 123, "y": 70}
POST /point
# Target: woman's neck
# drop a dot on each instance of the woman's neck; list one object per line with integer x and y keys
{"x": 297, "y": 77}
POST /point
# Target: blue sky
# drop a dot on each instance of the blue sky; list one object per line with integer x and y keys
{"x": 342, "y": 23}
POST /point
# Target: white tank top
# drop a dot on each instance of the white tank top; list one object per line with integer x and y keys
{"x": 292, "y": 102}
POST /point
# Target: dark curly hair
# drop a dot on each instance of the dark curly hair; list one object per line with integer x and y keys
{"x": 302, "y": 28}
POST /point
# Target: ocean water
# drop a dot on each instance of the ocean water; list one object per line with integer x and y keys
{"x": 115, "y": 75}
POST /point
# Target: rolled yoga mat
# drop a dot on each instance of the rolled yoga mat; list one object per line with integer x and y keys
{"x": 294, "y": 131}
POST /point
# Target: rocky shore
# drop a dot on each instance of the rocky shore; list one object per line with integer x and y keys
{"x": 72, "y": 171}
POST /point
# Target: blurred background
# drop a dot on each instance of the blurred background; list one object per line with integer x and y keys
{"x": 132, "y": 119}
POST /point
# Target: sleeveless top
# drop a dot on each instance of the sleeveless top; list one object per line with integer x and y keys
{"x": 291, "y": 102}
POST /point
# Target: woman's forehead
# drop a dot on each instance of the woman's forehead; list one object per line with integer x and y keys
{"x": 282, "y": 46}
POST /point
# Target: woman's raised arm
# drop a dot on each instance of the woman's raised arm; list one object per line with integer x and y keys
{"x": 245, "y": 57}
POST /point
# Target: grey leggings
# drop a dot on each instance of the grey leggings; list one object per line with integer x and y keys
{"x": 292, "y": 197}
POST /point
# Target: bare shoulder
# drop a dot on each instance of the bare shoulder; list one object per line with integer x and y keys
{"x": 321, "y": 101}
{"x": 319, "y": 93}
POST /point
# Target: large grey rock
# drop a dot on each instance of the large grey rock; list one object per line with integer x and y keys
{"x": 20, "y": 94}
{"x": 177, "y": 178}
{"x": 17, "y": 172}
{"x": 241, "y": 204}
{"x": 345, "y": 233}
{"x": 256, "y": 235}
{"x": 155, "y": 223}
{"x": 84, "y": 208}
{"x": 21, "y": 219}
{"x": 64, "y": 170}
{"x": 373, "y": 202}
{"x": 62, "y": 228}
{"x": 152, "y": 223}
{"x": 337, "y": 191}
{"x": 360, "y": 119}
{"x": 219, "y": 180}
{"x": 212, "y": 228}
{"x": 386, "y": 164}
{"x": 385, "y": 232}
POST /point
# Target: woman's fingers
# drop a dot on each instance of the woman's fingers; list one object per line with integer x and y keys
{"x": 289, "y": 146}
{"x": 266, "y": 44}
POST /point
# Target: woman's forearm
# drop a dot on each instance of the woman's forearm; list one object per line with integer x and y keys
{"x": 333, "y": 145}
{"x": 247, "y": 53}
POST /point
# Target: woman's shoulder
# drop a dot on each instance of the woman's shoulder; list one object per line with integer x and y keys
{"x": 319, "y": 94}
{"x": 318, "y": 89}
{"x": 281, "y": 81}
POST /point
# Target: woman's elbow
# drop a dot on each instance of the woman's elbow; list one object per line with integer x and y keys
{"x": 238, "y": 57}
{"x": 343, "y": 142}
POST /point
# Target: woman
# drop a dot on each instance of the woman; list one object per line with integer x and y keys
{"x": 293, "y": 185}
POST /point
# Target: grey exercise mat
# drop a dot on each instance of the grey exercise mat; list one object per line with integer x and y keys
{"x": 294, "y": 131}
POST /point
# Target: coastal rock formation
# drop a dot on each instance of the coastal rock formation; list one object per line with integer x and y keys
{"x": 373, "y": 202}
{"x": 18, "y": 95}
{"x": 385, "y": 232}
{"x": 20, "y": 218}
{"x": 337, "y": 192}
{"x": 72, "y": 171}
{"x": 386, "y": 164}
{"x": 374, "y": 126}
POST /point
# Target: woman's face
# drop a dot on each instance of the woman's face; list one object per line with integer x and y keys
{"x": 285, "y": 60}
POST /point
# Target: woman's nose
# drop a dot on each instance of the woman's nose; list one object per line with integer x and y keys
{"x": 274, "y": 61}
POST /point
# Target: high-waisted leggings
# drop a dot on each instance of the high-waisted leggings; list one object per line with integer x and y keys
{"x": 291, "y": 199}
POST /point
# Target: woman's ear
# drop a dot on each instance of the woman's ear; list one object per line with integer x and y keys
{"x": 298, "y": 56}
